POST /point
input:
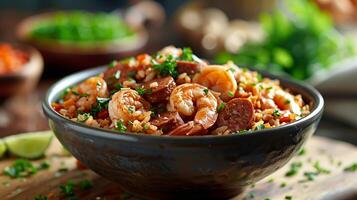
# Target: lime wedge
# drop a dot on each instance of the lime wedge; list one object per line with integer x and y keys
{"x": 29, "y": 145}
{"x": 2, "y": 148}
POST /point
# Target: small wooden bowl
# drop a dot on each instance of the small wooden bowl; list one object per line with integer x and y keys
{"x": 26, "y": 78}
{"x": 72, "y": 56}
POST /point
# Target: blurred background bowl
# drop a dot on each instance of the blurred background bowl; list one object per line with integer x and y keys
{"x": 72, "y": 56}
{"x": 26, "y": 78}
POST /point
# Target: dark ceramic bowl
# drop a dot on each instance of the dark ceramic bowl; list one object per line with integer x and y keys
{"x": 197, "y": 167}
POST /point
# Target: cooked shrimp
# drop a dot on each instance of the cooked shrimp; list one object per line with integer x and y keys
{"x": 286, "y": 101}
{"x": 94, "y": 86}
{"x": 218, "y": 78}
{"x": 127, "y": 105}
{"x": 188, "y": 97}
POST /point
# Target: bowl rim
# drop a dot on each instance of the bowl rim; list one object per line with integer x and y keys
{"x": 54, "y": 91}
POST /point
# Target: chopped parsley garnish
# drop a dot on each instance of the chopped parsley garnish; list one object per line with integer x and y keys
{"x": 143, "y": 91}
{"x": 85, "y": 184}
{"x": 320, "y": 170}
{"x": 242, "y": 132}
{"x": 167, "y": 68}
{"x": 231, "y": 94}
{"x": 302, "y": 152}
{"x": 351, "y": 168}
{"x": 83, "y": 117}
{"x": 287, "y": 101}
{"x": 43, "y": 165}
{"x": 113, "y": 64}
{"x": 260, "y": 127}
{"x": 288, "y": 197}
{"x": 156, "y": 109}
{"x": 117, "y": 74}
{"x": 186, "y": 54}
{"x": 232, "y": 69}
{"x": 269, "y": 88}
{"x": 131, "y": 109}
{"x": 74, "y": 92}
{"x": 220, "y": 107}
{"x": 310, "y": 176}
{"x": 68, "y": 189}
{"x": 119, "y": 126}
{"x": 294, "y": 169}
{"x": 102, "y": 103}
{"x": 276, "y": 113}
{"x": 145, "y": 127}
{"x": 205, "y": 91}
{"x": 283, "y": 184}
{"x": 20, "y": 168}
{"x": 40, "y": 197}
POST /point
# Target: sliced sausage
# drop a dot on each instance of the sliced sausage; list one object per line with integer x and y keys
{"x": 237, "y": 115}
{"x": 188, "y": 67}
{"x": 167, "y": 121}
{"x": 188, "y": 129}
{"x": 160, "y": 89}
{"x": 117, "y": 74}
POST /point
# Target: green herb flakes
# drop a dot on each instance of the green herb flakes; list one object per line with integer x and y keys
{"x": 231, "y": 94}
{"x": 83, "y": 117}
{"x": 20, "y": 168}
{"x": 143, "y": 91}
{"x": 167, "y": 68}
{"x": 220, "y": 107}
{"x": 302, "y": 152}
{"x": 85, "y": 184}
{"x": 205, "y": 91}
{"x": 351, "y": 168}
{"x": 288, "y": 197}
{"x": 186, "y": 54}
{"x": 282, "y": 185}
{"x": 112, "y": 64}
{"x": 276, "y": 113}
{"x": 119, "y": 126}
{"x": 68, "y": 189}
{"x": 319, "y": 169}
{"x": 294, "y": 169}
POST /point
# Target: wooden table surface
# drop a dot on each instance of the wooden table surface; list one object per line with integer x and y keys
{"x": 330, "y": 154}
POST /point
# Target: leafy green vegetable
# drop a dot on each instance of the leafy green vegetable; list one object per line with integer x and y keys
{"x": 299, "y": 42}
{"x": 102, "y": 103}
{"x": 80, "y": 26}
{"x": 167, "y": 68}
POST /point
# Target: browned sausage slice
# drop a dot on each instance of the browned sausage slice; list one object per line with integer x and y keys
{"x": 117, "y": 74}
{"x": 167, "y": 121}
{"x": 237, "y": 115}
{"x": 160, "y": 89}
{"x": 188, "y": 129}
{"x": 188, "y": 67}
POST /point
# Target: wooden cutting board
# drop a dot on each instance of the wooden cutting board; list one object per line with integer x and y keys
{"x": 330, "y": 154}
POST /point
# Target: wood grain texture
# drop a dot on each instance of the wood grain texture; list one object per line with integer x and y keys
{"x": 330, "y": 154}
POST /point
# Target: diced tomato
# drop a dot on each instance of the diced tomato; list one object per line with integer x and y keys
{"x": 56, "y": 106}
{"x": 285, "y": 118}
{"x": 103, "y": 114}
